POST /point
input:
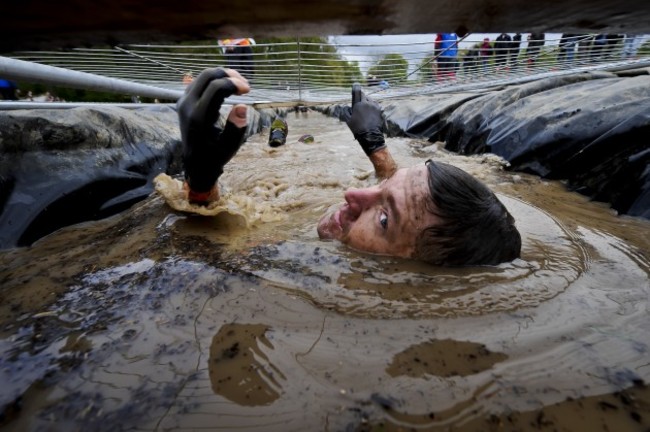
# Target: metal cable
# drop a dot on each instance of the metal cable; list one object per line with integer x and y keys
{"x": 314, "y": 72}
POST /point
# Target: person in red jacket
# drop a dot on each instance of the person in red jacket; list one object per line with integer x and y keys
{"x": 485, "y": 53}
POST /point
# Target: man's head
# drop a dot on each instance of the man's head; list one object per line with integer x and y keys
{"x": 433, "y": 212}
{"x": 383, "y": 219}
{"x": 474, "y": 227}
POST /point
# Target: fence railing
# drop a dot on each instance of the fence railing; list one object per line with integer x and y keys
{"x": 322, "y": 71}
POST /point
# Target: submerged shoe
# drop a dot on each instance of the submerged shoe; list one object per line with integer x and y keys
{"x": 279, "y": 131}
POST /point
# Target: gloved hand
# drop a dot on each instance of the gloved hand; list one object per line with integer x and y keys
{"x": 366, "y": 121}
{"x": 208, "y": 148}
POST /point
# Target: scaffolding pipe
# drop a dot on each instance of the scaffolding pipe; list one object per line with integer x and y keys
{"x": 21, "y": 105}
{"x": 19, "y": 70}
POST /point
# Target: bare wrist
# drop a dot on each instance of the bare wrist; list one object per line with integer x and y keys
{"x": 383, "y": 162}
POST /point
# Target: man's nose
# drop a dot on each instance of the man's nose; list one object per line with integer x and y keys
{"x": 360, "y": 199}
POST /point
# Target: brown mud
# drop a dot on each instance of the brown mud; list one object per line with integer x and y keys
{"x": 159, "y": 320}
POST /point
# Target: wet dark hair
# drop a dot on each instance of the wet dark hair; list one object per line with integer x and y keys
{"x": 474, "y": 229}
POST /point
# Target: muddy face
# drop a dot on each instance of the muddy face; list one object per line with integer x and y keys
{"x": 384, "y": 219}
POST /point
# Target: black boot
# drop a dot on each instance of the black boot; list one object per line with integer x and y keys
{"x": 279, "y": 131}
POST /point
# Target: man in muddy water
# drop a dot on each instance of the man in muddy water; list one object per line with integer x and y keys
{"x": 432, "y": 212}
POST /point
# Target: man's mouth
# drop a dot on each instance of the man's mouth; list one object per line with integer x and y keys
{"x": 330, "y": 226}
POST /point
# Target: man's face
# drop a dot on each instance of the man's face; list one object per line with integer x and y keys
{"x": 384, "y": 219}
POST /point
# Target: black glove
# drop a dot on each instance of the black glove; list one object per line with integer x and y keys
{"x": 207, "y": 148}
{"x": 366, "y": 121}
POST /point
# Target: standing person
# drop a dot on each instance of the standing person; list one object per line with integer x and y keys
{"x": 471, "y": 60}
{"x": 447, "y": 48}
{"x": 598, "y": 46}
{"x": 513, "y": 52}
{"x": 535, "y": 43}
{"x": 501, "y": 49}
{"x": 485, "y": 53}
{"x": 567, "y": 48}
{"x": 562, "y": 48}
{"x": 584, "y": 47}
{"x": 239, "y": 55}
{"x": 436, "y": 45}
{"x": 431, "y": 212}
{"x": 611, "y": 41}
{"x": 435, "y": 66}
{"x": 630, "y": 45}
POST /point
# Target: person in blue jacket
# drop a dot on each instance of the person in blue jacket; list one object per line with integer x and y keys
{"x": 447, "y": 51}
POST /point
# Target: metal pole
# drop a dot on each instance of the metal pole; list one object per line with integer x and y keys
{"x": 19, "y": 70}
{"x": 22, "y": 105}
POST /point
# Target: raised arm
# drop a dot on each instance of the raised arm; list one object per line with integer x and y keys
{"x": 366, "y": 123}
{"x": 207, "y": 148}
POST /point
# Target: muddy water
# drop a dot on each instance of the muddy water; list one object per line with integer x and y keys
{"x": 157, "y": 320}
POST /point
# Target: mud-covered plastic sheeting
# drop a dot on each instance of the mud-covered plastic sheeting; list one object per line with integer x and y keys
{"x": 45, "y": 191}
{"x": 65, "y": 166}
{"x": 590, "y": 129}
{"x": 423, "y": 116}
{"x": 416, "y": 117}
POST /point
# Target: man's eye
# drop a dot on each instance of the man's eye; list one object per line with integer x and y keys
{"x": 383, "y": 220}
